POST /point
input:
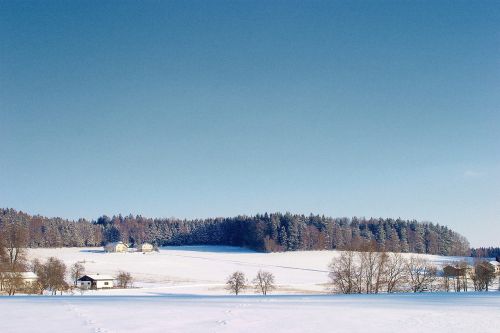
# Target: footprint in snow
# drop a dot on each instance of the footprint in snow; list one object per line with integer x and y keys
{"x": 100, "y": 330}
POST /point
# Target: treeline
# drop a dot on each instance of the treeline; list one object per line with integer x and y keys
{"x": 262, "y": 232}
{"x": 370, "y": 271}
{"x": 485, "y": 252}
{"x": 53, "y": 232}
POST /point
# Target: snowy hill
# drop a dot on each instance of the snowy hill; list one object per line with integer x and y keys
{"x": 204, "y": 269}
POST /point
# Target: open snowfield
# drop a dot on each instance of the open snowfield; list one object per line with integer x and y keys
{"x": 204, "y": 269}
{"x": 181, "y": 289}
{"x": 292, "y": 313}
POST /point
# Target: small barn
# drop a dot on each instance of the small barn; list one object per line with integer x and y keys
{"x": 96, "y": 281}
{"x": 145, "y": 247}
{"x": 116, "y": 247}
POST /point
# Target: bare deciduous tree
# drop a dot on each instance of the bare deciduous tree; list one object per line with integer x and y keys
{"x": 124, "y": 279}
{"x": 236, "y": 282}
{"x": 483, "y": 276}
{"x": 464, "y": 271}
{"x": 77, "y": 270}
{"x": 345, "y": 273}
{"x": 264, "y": 282}
{"x": 3, "y": 260}
{"x": 13, "y": 240}
{"x": 51, "y": 275}
{"x": 373, "y": 267}
{"x": 455, "y": 276}
{"x": 395, "y": 272}
{"x": 13, "y": 282}
{"x": 421, "y": 274}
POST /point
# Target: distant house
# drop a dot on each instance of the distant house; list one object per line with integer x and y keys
{"x": 29, "y": 277}
{"x": 96, "y": 281}
{"x": 496, "y": 265}
{"x": 116, "y": 247}
{"x": 145, "y": 247}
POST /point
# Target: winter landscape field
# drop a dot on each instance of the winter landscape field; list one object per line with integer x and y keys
{"x": 181, "y": 289}
{"x": 249, "y": 166}
{"x": 204, "y": 269}
{"x": 191, "y": 313}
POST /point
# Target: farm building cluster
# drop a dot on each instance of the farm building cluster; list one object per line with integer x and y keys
{"x": 122, "y": 247}
{"x": 19, "y": 280}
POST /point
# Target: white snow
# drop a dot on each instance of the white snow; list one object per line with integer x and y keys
{"x": 451, "y": 312}
{"x": 181, "y": 289}
{"x": 204, "y": 269}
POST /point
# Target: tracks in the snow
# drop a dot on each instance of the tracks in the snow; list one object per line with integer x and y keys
{"x": 94, "y": 327}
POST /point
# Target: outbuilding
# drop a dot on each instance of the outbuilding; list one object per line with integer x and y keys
{"x": 496, "y": 265}
{"x": 95, "y": 281}
{"x": 145, "y": 247}
{"x": 116, "y": 247}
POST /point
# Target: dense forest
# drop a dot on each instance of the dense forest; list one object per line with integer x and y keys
{"x": 488, "y": 252}
{"x": 268, "y": 232}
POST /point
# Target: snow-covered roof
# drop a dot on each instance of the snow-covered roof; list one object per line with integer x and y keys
{"x": 495, "y": 263}
{"x": 29, "y": 275}
{"x": 99, "y": 277}
{"x": 116, "y": 243}
{"x": 24, "y": 275}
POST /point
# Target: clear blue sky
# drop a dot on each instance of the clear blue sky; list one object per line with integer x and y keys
{"x": 207, "y": 108}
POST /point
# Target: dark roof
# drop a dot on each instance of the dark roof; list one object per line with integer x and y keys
{"x": 95, "y": 277}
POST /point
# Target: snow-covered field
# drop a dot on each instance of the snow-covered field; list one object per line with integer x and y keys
{"x": 181, "y": 289}
{"x": 452, "y": 312}
{"x": 204, "y": 269}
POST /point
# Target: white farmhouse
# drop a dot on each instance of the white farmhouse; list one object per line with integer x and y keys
{"x": 29, "y": 278}
{"x": 116, "y": 247}
{"x": 95, "y": 281}
{"x": 145, "y": 247}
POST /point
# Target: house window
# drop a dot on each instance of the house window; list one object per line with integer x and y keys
{"x": 105, "y": 283}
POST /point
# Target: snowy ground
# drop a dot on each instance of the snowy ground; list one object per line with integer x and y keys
{"x": 442, "y": 313}
{"x": 204, "y": 269}
{"x": 181, "y": 289}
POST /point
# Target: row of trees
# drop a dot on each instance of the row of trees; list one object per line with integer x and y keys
{"x": 486, "y": 252}
{"x": 369, "y": 272}
{"x": 263, "y": 283}
{"x": 267, "y": 232}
